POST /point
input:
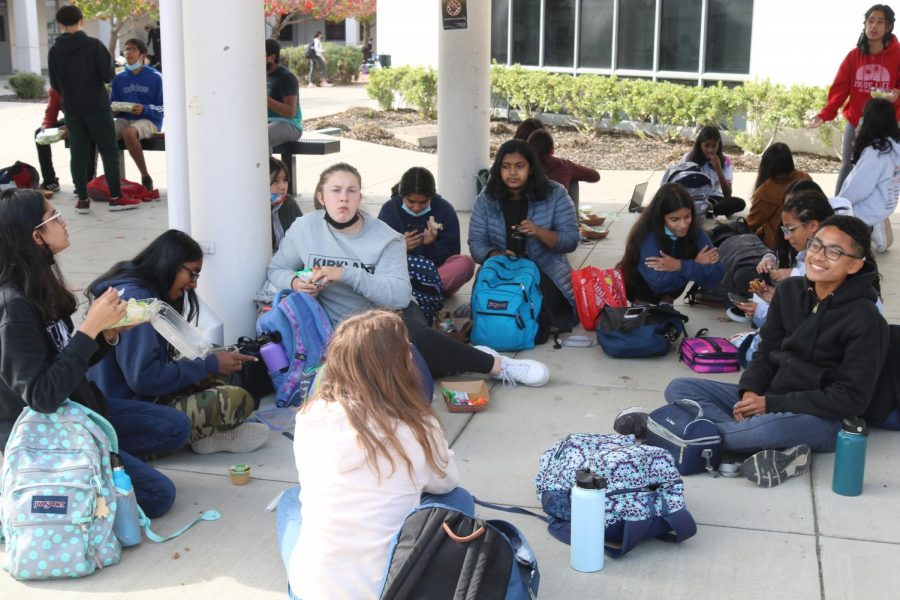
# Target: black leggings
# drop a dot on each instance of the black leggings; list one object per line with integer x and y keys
{"x": 727, "y": 206}
{"x": 443, "y": 354}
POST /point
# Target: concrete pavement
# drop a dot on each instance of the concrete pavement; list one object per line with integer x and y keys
{"x": 798, "y": 541}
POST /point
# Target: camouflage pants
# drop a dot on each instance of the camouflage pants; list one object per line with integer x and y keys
{"x": 217, "y": 408}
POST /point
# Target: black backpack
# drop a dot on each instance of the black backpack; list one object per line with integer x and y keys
{"x": 310, "y": 50}
{"x": 443, "y": 554}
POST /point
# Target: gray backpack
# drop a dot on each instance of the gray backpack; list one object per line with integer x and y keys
{"x": 57, "y": 497}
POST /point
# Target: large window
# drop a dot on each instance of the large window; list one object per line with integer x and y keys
{"x": 638, "y": 38}
{"x": 595, "y": 49}
{"x": 636, "y": 25}
{"x": 526, "y": 36}
{"x": 499, "y": 30}
{"x": 728, "y": 36}
{"x": 559, "y": 33}
{"x": 679, "y": 35}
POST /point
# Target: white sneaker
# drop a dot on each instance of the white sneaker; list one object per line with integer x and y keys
{"x": 522, "y": 370}
{"x": 246, "y": 437}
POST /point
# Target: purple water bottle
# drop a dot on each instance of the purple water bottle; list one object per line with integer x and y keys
{"x": 273, "y": 354}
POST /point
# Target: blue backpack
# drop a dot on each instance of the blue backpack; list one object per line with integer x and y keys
{"x": 639, "y": 331}
{"x": 57, "y": 497}
{"x": 427, "y": 287}
{"x": 506, "y": 302}
{"x": 442, "y": 554}
{"x": 305, "y": 330}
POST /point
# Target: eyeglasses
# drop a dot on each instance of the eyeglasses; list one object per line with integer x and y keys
{"x": 53, "y": 217}
{"x": 832, "y": 253}
{"x": 790, "y": 230}
{"x": 195, "y": 275}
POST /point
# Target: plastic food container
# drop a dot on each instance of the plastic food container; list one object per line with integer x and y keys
{"x": 183, "y": 336}
{"x": 121, "y": 106}
{"x": 49, "y": 136}
{"x": 239, "y": 474}
{"x": 139, "y": 311}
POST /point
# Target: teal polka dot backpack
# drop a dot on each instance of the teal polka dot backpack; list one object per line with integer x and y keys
{"x": 57, "y": 497}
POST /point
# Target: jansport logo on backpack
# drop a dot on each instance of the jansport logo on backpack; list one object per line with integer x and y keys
{"x": 305, "y": 330}
{"x": 644, "y": 497}
{"x": 57, "y": 496}
{"x": 441, "y": 553}
{"x": 506, "y": 302}
{"x": 427, "y": 287}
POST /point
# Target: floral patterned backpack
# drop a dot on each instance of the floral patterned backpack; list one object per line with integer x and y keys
{"x": 644, "y": 494}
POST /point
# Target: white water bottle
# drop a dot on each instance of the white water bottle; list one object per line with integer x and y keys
{"x": 588, "y": 522}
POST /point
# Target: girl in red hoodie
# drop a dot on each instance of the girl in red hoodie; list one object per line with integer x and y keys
{"x": 872, "y": 67}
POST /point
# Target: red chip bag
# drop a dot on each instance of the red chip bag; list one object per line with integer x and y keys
{"x": 595, "y": 288}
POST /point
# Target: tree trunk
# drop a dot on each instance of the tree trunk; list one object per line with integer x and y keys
{"x": 278, "y": 26}
{"x": 113, "y": 38}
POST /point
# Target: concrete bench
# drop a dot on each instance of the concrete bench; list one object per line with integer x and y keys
{"x": 288, "y": 152}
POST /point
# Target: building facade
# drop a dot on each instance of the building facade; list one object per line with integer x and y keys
{"x": 690, "y": 41}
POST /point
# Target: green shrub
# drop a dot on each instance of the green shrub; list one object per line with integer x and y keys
{"x": 27, "y": 85}
{"x": 342, "y": 64}
{"x": 383, "y": 83}
{"x": 418, "y": 86}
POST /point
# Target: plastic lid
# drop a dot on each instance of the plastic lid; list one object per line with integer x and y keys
{"x": 600, "y": 483}
{"x": 855, "y": 425}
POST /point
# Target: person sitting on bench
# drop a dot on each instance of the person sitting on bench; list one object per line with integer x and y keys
{"x": 140, "y": 85}
{"x": 282, "y": 99}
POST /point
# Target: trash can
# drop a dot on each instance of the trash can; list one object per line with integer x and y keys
{"x": 385, "y": 60}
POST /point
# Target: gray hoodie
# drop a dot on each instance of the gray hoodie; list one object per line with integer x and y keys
{"x": 874, "y": 184}
{"x": 374, "y": 262}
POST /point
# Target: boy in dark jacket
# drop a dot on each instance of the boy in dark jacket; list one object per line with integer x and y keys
{"x": 822, "y": 347}
{"x": 79, "y": 66}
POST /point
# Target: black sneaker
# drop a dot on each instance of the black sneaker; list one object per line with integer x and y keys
{"x": 147, "y": 182}
{"x": 51, "y": 186}
{"x": 771, "y": 467}
{"x": 632, "y": 421}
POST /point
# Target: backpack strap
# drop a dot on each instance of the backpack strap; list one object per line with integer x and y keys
{"x": 518, "y": 510}
{"x": 209, "y": 515}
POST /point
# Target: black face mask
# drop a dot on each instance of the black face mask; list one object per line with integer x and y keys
{"x": 337, "y": 225}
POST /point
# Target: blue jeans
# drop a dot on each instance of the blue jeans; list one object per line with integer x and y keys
{"x": 288, "y": 518}
{"x": 761, "y": 432}
{"x": 144, "y": 429}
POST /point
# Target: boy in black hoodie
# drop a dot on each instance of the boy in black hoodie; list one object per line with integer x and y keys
{"x": 823, "y": 345}
{"x": 79, "y": 66}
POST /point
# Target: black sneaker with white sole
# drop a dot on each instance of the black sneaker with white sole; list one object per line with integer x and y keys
{"x": 772, "y": 467}
{"x": 632, "y": 421}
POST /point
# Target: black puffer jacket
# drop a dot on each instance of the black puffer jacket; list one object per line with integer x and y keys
{"x": 820, "y": 358}
{"x": 79, "y": 66}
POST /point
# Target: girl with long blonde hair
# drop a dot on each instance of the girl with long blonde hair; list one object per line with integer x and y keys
{"x": 366, "y": 447}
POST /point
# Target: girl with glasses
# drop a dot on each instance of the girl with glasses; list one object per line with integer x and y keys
{"x": 44, "y": 358}
{"x": 143, "y": 366}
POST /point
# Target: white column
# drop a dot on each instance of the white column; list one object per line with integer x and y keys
{"x": 104, "y": 29}
{"x": 28, "y": 44}
{"x": 175, "y": 122}
{"x": 351, "y": 32}
{"x": 225, "y": 88}
{"x": 464, "y": 103}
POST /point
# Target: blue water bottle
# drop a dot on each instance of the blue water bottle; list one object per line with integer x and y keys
{"x": 850, "y": 457}
{"x": 588, "y": 521}
{"x": 127, "y": 525}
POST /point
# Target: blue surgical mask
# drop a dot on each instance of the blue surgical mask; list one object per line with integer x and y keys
{"x": 276, "y": 197}
{"x": 409, "y": 211}
{"x": 669, "y": 232}
{"x": 134, "y": 67}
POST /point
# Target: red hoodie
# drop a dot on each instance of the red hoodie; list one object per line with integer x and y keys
{"x": 857, "y": 74}
{"x": 51, "y": 115}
